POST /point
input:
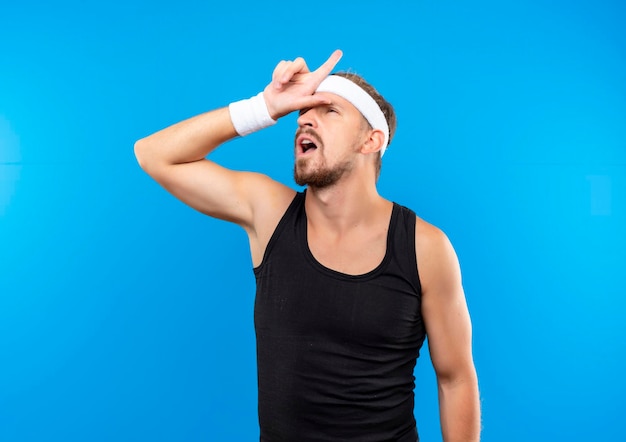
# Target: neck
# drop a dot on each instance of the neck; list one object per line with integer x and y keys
{"x": 344, "y": 205}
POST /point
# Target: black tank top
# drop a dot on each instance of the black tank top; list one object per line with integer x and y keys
{"x": 336, "y": 352}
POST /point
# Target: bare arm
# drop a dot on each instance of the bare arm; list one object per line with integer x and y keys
{"x": 449, "y": 335}
{"x": 176, "y": 156}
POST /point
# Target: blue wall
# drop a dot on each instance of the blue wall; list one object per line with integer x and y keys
{"x": 125, "y": 315}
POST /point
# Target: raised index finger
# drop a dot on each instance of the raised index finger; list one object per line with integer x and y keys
{"x": 326, "y": 68}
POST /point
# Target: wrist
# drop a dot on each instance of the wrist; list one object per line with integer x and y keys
{"x": 250, "y": 115}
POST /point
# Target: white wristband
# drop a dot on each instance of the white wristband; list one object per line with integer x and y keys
{"x": 250, "y": 115}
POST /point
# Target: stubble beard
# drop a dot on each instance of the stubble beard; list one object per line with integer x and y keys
{"x": 322, "y": 176}
{"x": 319, "y": 178}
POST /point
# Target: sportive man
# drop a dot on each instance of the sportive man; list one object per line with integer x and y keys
{"x": 348, "y": 283}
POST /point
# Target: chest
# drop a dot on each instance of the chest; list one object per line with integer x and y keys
{"x": 359, "y": 288}
{"x": 374, "y": 311}
{"x": 356, "y": 253}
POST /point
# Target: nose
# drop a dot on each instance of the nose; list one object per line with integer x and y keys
{"x": 307, "y": 118}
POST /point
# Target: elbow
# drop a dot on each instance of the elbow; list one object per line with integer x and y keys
{"x": 148, "y": 158}
{"x": 459, "y": 372}
{"x": 140, "y": 153}
{"x": 145, "y": 155}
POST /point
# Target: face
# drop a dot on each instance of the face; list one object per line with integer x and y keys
{"x": 327, "y": 142}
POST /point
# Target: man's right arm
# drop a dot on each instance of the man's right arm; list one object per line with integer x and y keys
{"x": 176, "y": 157}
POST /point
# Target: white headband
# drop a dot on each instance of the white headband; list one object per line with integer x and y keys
{"x": 360, "y": 99}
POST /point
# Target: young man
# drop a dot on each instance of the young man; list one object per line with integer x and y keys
{"x": 348, "y": 283}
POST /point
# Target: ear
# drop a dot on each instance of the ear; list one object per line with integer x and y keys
{"x": 374, "y": 141}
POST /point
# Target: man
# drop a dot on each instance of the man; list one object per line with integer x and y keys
{"x": 348, "y": 283}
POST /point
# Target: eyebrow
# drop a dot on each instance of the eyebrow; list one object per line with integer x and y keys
{"x": 331, "y": 104}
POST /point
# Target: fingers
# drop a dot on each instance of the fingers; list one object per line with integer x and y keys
{"x": 327, "y": 67}
{"x": 285, "y": 71}
{"x": 310, "y": 101}
{"x": 293, "y": 85}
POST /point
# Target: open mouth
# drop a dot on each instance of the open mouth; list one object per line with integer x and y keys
{"x": 307, "y": 142}
{"x": 307, "y": 145}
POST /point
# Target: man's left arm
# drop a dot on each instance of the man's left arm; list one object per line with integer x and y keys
{"x": 449, "y": 332}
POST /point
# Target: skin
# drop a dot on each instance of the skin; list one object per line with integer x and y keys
{"x": 347, "y": 220}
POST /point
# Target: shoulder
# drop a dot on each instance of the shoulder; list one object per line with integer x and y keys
{"x": 429, "y": 237}
{"x": 265, "y": 193}
{"x": 436, "y": 258}
{"x": 271, "y": 194}
{"x": 271, "y": 200}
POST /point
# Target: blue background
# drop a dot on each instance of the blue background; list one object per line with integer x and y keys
{"x": 125, "y": 315}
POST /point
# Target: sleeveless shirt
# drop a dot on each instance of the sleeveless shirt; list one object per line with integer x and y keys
{"x": 336, "y": 352}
